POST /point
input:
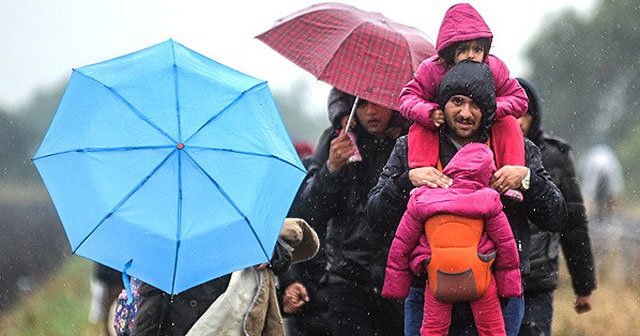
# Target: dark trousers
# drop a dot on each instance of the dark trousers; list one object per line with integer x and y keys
{"x": 538, "y": 314}
{"x": 355, "y": 311}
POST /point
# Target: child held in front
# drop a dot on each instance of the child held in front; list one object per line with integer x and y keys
{"x": 466, "y": 234}
{"x": 463, "y": 35}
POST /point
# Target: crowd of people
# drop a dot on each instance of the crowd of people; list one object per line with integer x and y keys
{"x": 443, "y": 218}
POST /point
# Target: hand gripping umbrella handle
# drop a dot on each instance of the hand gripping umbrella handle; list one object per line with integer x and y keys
{"x": 353, "y": 112}
{"x": 356, "y": 156}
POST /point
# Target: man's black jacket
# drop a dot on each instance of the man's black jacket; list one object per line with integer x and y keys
{"x": 543, "y": 203}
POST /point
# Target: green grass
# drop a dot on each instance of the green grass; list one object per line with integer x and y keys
{"x": 60, "y": 307}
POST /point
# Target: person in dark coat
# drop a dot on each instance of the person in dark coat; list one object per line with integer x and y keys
{"x": 574, "y": 238}
{"x": 333, "y": 199}
{"x": 543, "y": 203}
{"x": 302, "y": 288}
{"x": 163, "y": 314}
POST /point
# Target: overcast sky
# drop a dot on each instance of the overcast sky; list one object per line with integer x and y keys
{"x": 43, "y": 40}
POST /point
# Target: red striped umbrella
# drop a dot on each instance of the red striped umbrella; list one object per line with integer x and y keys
{"x": 359, "y": 52}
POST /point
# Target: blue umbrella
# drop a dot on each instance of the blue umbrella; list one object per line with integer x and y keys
{"x": 170, "y": 162}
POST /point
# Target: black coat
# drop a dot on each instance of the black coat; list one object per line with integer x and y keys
{"x": 543, "y": 203}
{"x": 161, "y": 314}
{"x": 335, "y": 203}
{"x": 574, "y": 238}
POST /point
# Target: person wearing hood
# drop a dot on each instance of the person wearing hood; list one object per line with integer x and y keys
{"x": 464, "y": 35}
{"x": 467, "y": 94}
{"x": 333, "y": 200}
{"x": 470, "y": 197}
{"x": 574, "y": 238}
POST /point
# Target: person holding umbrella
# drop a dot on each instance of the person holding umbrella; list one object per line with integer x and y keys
{"x": 334, "y": 197}
{"x": 183, "y": 160}
{"x": 366, "y": 58}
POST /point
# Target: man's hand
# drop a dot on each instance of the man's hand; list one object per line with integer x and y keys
{"x": 429, "y": 176}
{"x": 582, "y": 304}
{"x": 295, "y": 296}
{"x": 438, "y": 117}
{"x": 340, "y": 151}
{"x": 508, "y": 177}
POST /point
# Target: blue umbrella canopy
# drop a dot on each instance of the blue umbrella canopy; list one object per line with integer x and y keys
{"x": 171, "y": 162}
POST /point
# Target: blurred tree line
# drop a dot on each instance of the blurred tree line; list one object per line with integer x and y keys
{"x": 588, "y": 71}
{"x": 22, "y": 130}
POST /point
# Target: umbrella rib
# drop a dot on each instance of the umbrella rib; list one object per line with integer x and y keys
{"x": 226, "y": 108}
{"x": 233, "y": 204}
{"x": 247, "y": 153}
{"x": 101, "y": 149}
{"x": 131, "y": 107}
{"x": 124, "y": 199}
{"x": 175, "y": 79}
{"x": 179, "y": 224}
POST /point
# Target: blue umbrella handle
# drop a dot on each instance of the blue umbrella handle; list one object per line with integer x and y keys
{"x": 127, "y": 282}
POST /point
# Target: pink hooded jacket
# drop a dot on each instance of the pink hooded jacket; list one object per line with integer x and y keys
{"x": 471, "y": 169}
{"x": 461, "y": 23}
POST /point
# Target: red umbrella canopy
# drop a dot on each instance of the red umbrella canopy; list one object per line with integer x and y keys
{"x": 359, "y": 52}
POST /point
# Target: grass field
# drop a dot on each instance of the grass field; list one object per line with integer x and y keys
{"x": 60, "y": 307}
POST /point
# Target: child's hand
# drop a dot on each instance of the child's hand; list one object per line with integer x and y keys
{"x": 438, "y": 117}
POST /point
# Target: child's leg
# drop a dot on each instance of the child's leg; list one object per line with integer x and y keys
{"x": 508, "y": 142}
{"x": 487, "y": 312}
{"x": 437, "y": 315}
{"x": 423, "y": 147}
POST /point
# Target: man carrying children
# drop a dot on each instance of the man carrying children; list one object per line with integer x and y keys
{"x": 468, "y": 102}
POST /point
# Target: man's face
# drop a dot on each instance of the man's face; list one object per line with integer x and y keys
{"x": 374, "y": 118}
{"x": 463, "y": 117}
{"x": 525, "y": 123}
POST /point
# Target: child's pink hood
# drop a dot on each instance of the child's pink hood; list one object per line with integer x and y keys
{"x": 471, "y": 170}
{"x": 461, "y": 23}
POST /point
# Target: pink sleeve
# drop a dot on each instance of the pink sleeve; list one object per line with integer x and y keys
{"x": 507, "y": 263}
{"x": 420, "y": 256}
{"x": 511, "y": 99}
{"x": 397, "y": 279}
{"x": 417, "y": 98}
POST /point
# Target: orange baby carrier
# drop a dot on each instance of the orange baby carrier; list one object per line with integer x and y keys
{"x": 457, "y": 272}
